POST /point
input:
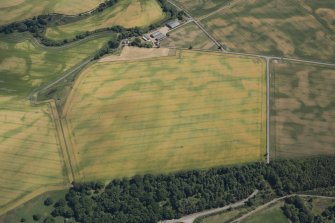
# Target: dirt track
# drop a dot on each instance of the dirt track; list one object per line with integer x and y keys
{"x": 190, "y": 218}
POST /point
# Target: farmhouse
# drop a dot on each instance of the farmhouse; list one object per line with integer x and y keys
{"x": 173, "y": 24}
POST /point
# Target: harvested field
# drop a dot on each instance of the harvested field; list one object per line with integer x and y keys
{"x": 187, "y": 36}
{"x": 303, "y": 108}
{"x": 31, "y": 157}
{"x": 193, "y": 110}
{"x": 275, "y": 27}
{"x": 201, "y": 7}
{"x": 17, "y": 10}
{"x": 127, "y": 13}
{"x": 134, "y": 53}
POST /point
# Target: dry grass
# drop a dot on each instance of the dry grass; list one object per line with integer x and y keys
{"x": 327, "y": 15}
{"x": 188, "y": 35}
{"x": 31, "y": 158}
{"x": 276, "y": 27}
{"x": 127, "y": 13}
{"x": 134, "y": 53}
{"x": 15, "y": 10}
{"x": 194, "y": 110}
{"x": 302, "y": 110}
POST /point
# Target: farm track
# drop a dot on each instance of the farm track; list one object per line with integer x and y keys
{"x": 62, "y": 141}
{"x": 192, "y": 217}
{"x": 262, "y": 207}
{"x": 81, "y": 65}
{"x": 267, "y": 58}
{"x": 86, "y": 62}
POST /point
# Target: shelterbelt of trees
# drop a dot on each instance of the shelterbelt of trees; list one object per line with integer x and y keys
{"x": 151, "y": 198}
{"x": 38, "y": 24}
{"x": 297, "y": 211}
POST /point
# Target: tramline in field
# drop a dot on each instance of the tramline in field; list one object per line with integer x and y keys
{"x": 193, "y": 110}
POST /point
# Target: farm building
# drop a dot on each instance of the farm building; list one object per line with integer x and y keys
{"x": 155, "y": 34}
{"x": 158, "y": 36}
{"x": 173, "y": 24}
{"x": 125, "y": 41}
{"x": 146, "y": 37}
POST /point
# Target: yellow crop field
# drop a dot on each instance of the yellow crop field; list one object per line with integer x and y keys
{"x": 15, "y": 10}
{"x": 126, "y": 13}
{"x": 30, "y": 154}
{"x": 192, "y": 110}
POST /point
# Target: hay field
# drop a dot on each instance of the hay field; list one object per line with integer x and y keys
{"x": 16, "y": 10}
{"x": 201, "y": 7}
{"x": 303, "y": 108}
{"x": 189, "y": 35}
{"x": 25, "y": 65}
{"x": 127, "y": 13}
{"x": 193, "y": 110}
{"x": 30, "y": 154}
{"x": 275, "y": 27}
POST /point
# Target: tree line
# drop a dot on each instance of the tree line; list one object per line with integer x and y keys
{"x": 38, "y": 24}
{"x": 297, "y": 211}
{"x": 151, "y": 198}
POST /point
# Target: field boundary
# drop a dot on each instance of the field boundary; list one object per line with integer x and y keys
{"x": 67, "y": 179}
{"x": 67, "y": 121}
{"x": 63, "y": 144}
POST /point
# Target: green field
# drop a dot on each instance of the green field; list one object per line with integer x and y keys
{"x": 302, "y": 114}
{"x": 127, "y": 13}
{"x": 275, "y": 27}
{"x": 273, "y": 214}
{"x": 193, "y": 110}
{"x": 201, "y": 7}
{"x": 31, "y": 152}
{"x": 16, "y": 10}
{"x": 225, "y": 217}
{"x": 189, "y": 35}
{"x": 25, "y": 65}
{"x": 34, "y": 206}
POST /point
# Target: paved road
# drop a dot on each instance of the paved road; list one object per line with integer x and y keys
{"x": 276, "y": 200}
{"x": 190, "y": 218}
